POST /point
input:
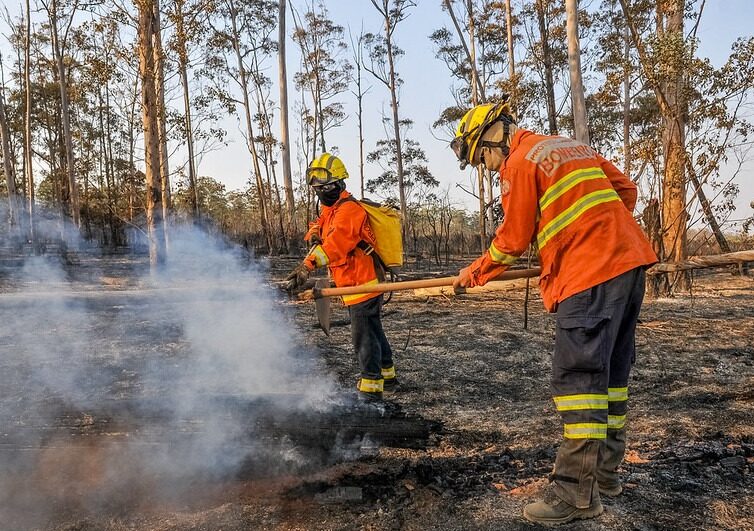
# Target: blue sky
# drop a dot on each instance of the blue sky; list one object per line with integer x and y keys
{"x": 426, "y": 91}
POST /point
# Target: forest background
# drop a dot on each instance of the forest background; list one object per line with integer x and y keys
{"x": 120, "y": 118}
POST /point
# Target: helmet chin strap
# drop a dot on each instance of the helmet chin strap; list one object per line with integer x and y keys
{"x": 504, "y": 144}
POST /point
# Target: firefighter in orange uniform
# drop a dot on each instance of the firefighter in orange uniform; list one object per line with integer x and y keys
{"x": 343, "y": 241}
{"x": 577, "y": 207}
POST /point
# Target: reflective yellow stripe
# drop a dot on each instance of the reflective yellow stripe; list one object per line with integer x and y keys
{"x": 617, "y": 394}
{"x": 500, "y": 257}
{"x": 320, "y": 257}
{"x": 585, "y": 430}
{"x": 388, "y": 374}
{"x": 568, "y": 182}
{"x": 616, "y": 422}
{"x": 349, "y": 298}
{"x": 370, "y": 386}
{"x": 573, "y": 212}
{"x": 576, "y": 402}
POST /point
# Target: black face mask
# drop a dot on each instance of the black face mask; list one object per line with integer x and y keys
{"x": 328, "y": 195}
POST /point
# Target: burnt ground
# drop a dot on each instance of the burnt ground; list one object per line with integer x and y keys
{"x": 468, "y": 363}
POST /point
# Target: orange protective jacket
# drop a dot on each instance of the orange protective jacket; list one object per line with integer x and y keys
{"x": 342, "y": 227}
{"x": 576, "y": 205}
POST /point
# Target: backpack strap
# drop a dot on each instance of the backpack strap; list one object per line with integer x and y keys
{"x": 379, "y": 266}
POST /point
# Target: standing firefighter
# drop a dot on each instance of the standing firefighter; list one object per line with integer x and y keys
{"x": 577, "y": 207}
{"x": 344, "y": 241}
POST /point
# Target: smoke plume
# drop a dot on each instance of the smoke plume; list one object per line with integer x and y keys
{"x": 121, "y": 388}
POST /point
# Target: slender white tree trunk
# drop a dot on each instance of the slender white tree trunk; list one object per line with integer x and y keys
{"x": 150, "y": 119}
{"x": 8, "y": 166}
{"x": 578, "y": 104}
{"x": 285, "y": 148}
{"x": 159, "y": 80}
{"x": 27, "y": 124}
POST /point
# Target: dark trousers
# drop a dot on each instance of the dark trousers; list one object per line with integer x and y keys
{"x": 369, "y": 341}
{"x": 594, "y": 350}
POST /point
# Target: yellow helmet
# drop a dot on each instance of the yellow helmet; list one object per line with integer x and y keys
{"x": 474, "y": 124}
{"x": 325, "y": 169}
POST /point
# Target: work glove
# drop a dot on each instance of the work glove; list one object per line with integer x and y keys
{"x": 297, "y": 278}
{"x": 463, "y": 280}
{"x": 314, "y": 236}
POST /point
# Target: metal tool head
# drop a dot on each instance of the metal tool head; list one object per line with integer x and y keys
{"x": 323, "y": 306}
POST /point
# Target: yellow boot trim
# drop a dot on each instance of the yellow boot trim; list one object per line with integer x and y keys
{"x": 371, "y": 386}
{"x": 580, "y": 402}
{"x": 585, "y": 430}
{"x": 617, "y": 394}
{"x": 616, "y": 422}
{"x": 389, "y": 373}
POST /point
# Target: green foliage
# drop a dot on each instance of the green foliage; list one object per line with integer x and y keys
{"x": 416, "y": 174}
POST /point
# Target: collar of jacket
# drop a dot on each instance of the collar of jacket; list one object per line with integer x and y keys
{"x": 343, "y": 195}
{"x": 515, "y": 142}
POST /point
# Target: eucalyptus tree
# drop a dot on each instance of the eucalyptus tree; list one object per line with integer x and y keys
{"x": 150, "y": 118}
{"x": 578, "y": 105}
{"x": 8, "y": 160}
{"x": 159, "y": 77}
{"x": 64, "y": 14}
{"x": 669, "y": 86}
{"x": 241, "y": 31}
{"x": 285, "y": 147}
{"x": 383, "y": 53}
{"x": 28, "y": 160}
{"x": 325, "y": 71}
{"x": 357, "y": 50}
{"x": 479, "y": 75}
{"x": 187, "y": 18}
{"x": 418, "y": 180}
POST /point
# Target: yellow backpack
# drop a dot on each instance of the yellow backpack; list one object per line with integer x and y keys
{"x": 385, "y": 222}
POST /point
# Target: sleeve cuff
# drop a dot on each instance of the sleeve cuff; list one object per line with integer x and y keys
{"x": 318, "y": 257}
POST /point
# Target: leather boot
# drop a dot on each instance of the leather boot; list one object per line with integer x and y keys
{"x": 610, "y": 459}
{"x": 574, "y": 492}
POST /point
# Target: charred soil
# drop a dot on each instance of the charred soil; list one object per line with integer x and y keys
{"x": 465, "y": 362}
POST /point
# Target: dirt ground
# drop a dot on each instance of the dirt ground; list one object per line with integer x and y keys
{"x": 468, "y": 362}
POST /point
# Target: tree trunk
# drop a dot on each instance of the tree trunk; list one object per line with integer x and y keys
{"x": 131, "y": 154}
{"x": 396, "y": 122}
{"x": 651, "y": 219}
{"x": 474, "y": 102}
{"x": 547, "y": 62}
{"x": 707, "y": 209}
{"x": 627, "y": 103}
{"x": 358, "y": 58}
{"x": 674, "y": 215}
{"x": 150, "y": 117}
{"x": 578, "y": 104}
{"x": 285, "y": 149}
{"x": 112, "y": 192}
{"x": 159, "y": 80}
{"x": 461, "y": 37}
{"x": 27, "y": 125}
{"x": 180, "y": 37}
{"x": 104, "y": 169}
{"x": 65, "y": 116}
{"x": 264, "y": 218}
{"x": 267, "y": 147}
{"x": 8, "y": 166}
{"x": 511, "y": 59}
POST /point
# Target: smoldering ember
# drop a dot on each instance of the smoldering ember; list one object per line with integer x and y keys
{"x": 376, "y": 265}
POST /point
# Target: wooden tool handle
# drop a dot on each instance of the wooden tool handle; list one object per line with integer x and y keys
{"x": 384, "y": 287}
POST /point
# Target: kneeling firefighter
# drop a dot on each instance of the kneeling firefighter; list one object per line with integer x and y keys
{"x": 577, "y": 206}
{"x": 344, "y": 241}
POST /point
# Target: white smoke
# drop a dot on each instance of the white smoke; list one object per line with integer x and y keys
{"x": 173, "y": 356}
